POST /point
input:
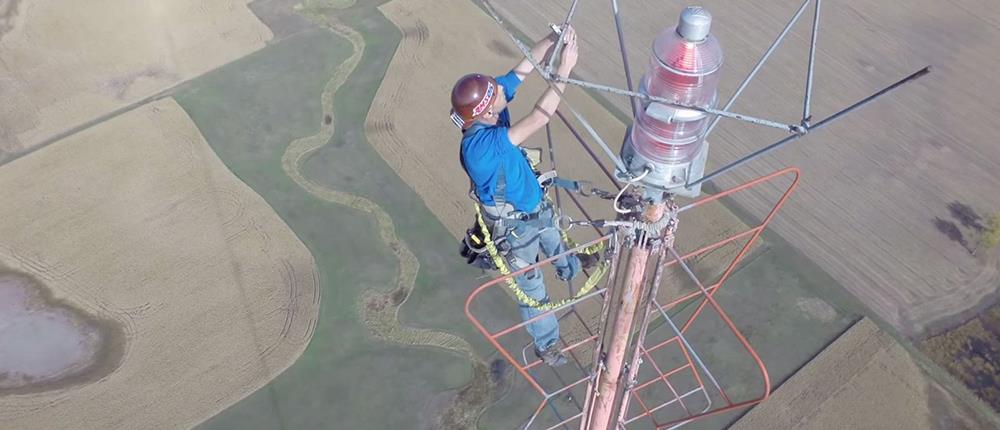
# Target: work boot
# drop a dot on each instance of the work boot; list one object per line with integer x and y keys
{"x": 552, "y": 356}
{"x": 589, "y": 260}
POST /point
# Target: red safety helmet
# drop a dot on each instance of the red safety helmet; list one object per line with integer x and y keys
{"x": 471, "y": 98}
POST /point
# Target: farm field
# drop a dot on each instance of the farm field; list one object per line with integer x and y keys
{"x": 344, "y": 202}
{"x": 203, "y": 293}
{"x": 65, "y": 66}
{"x": 863, "y": 380}
{"x": 246, "y": 215}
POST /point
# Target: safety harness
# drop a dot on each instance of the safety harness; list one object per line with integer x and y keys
{"x": 481, "y": 250}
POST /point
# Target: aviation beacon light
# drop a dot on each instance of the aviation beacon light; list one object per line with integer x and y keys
{"x": 669, "y": 141}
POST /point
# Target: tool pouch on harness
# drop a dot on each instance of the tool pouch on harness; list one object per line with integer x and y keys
{"x": 487, "y": 227}
{"x": 492, "y": 222}
{"x": 490, "y": 226}
{"x": 474, "y": 249}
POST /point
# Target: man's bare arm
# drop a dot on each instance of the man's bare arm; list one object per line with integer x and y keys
{"x": 540, "y": 52}
{"x": 549, "y": 101}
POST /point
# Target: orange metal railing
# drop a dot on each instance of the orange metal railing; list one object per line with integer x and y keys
{"x": 655, "y": 372}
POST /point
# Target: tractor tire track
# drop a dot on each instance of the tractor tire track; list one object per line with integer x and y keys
{"x": 973, "y": 295}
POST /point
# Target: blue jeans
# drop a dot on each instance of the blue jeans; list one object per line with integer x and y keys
{"x": 526, "y": 238}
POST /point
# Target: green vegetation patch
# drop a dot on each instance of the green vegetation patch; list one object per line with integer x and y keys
{"x": 249, "y": 111}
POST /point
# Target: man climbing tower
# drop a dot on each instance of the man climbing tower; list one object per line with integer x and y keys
{"x": 505, "y": 185}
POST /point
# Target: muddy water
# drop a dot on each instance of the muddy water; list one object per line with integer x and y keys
{"x": 41, "y": 343}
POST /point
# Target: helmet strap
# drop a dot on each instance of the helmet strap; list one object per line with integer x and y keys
{"x": 457, "y": 119}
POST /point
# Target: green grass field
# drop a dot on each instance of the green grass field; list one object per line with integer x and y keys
{"x": 249, "y": 111}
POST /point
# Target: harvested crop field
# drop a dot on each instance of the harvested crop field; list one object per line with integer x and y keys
{"x": 874, "y": 183}
{"x": 63, "y": 64}
{"x": 137, "y": 222}
{"x": 863, "y": 380}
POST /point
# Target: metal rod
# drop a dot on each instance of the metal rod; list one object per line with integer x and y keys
{"x": 604, "y": 146}
{"x": 562, "y": 34}
{"x": 665, "y": 379}
{"x": 552, "y": 406}
{"x": 795, "y": 174}
{"x": 663, "y": 405}
{"x": 546, "y": 313}
{"x": 697, "y": 378}
{"x": 592, "y": 155}
{"x": 793, "y": 128}
{"x": 586, "y": 215}
{"x": 680, "y": 335}
{"x": 654, "y": 348}
{"x": 535, "y": 415}
{"x": 760, "y": 64}
{"x": 552, "y": 165}
{"x": 552, "y": 159}
{"x": 587, "y": 148}
{"x": 621, "y": 47}
{"x": 806, "y": 115}
{"x": 816, "y": 126}
{"x": 642, "y": 404}
{"x": 493, "y": 338}
{"x": 569, "y": 348}
{"x": 643, "y": 329}
{"x": 660, "y": 250}
{"x": 552, "y": 84}
{"x": 648, "y": 354}
{"x": 597, "y": 373}
{"x": 572, "y": 353}
{"x": 704, "y": 291}
{"x": 601, "y": 414}
{"x": 566, "y": 347}
{"x": 563, "y": 422}
{"x": 571, "y": 418}
{"x": 555, "y": 411}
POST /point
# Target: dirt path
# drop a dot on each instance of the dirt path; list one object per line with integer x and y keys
{"x": 976, "y": 295}
{"x": 379, "y": 310}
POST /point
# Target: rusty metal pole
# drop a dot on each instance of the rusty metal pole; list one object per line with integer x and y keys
{"x": 667, "y": 242}
{"x": 605, "y": 396}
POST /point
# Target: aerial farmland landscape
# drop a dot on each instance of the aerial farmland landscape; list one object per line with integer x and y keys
{"x": 248, "y": 214}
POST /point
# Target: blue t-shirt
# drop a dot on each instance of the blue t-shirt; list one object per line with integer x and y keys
{"x": 486, "y": 147}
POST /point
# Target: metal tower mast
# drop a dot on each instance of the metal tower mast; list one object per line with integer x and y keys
{"x": 663, "y": 156}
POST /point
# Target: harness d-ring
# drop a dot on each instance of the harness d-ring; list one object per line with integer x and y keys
{"x": 564, "y": 223}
